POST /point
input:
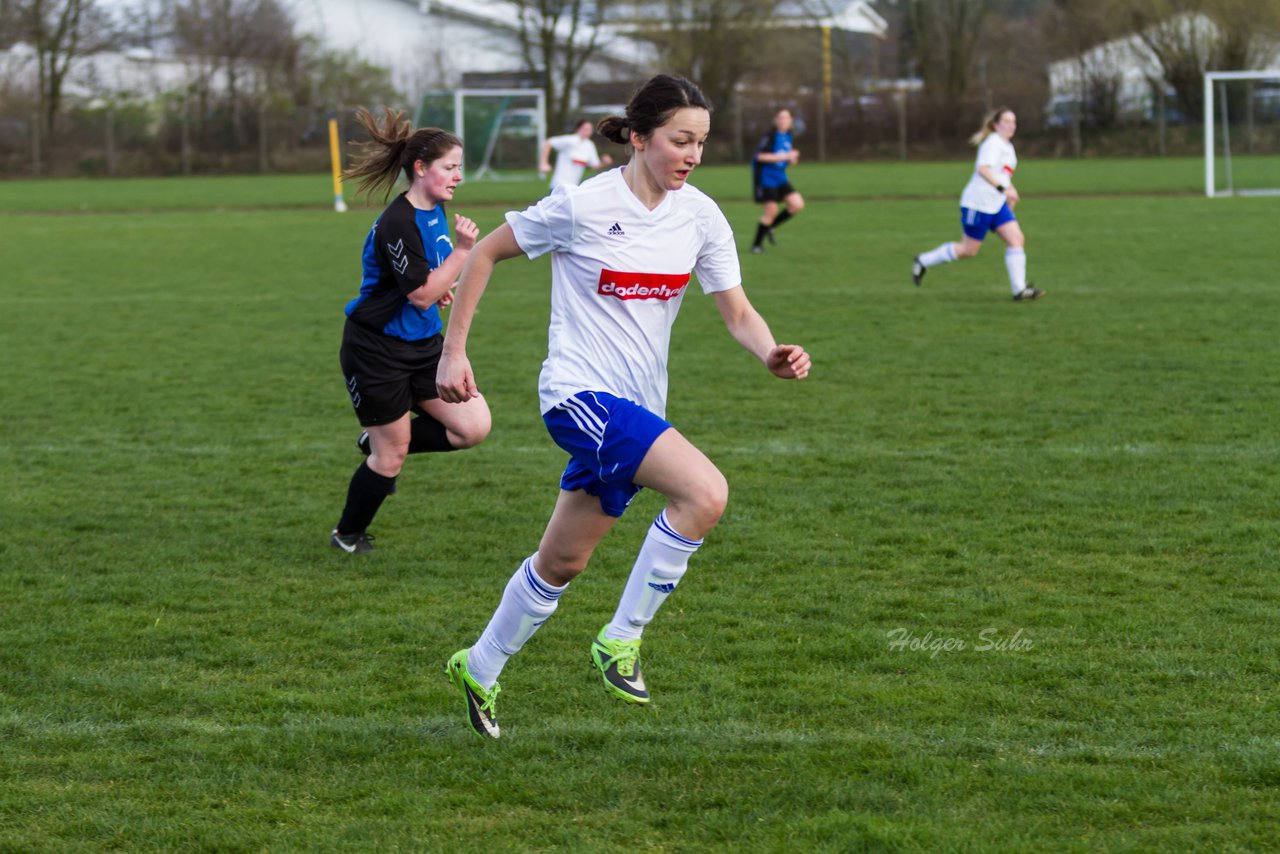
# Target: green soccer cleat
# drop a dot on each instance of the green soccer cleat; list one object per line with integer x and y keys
{"x": 619, "y": 664}
{"x": 480, "y": 703}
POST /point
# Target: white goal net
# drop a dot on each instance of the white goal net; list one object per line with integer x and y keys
{"x": 501, "y": 129}
{"x": 1242, "y": 133}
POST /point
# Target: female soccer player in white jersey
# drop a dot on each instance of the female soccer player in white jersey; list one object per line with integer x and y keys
{"x": 623, "y": 246}
{"x": 575, "y": 152}
{"x": 987, "y": 205}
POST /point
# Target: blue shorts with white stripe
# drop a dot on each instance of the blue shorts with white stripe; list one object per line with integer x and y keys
{"x": 607, "y": 438}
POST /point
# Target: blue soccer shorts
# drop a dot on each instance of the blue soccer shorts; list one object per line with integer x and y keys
{"x": 607, "y": 438}
{"x": 976, "y": 224}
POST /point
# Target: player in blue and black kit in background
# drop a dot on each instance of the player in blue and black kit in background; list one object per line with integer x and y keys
{"x": 773, "y": 155}
{"x": 393, "y": 335}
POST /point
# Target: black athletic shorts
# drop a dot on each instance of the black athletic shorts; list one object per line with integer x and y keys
{"x": 773, "y": 194}
{"x": 387, "y": 376}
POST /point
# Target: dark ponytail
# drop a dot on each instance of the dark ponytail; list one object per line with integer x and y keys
{"x": 651, "y": 106}
{"x": 393, "y": 148}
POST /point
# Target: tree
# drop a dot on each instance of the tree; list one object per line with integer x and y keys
{"x": 557, "y": 38}
{"x": 716, "y": 42}
{"x": 1189, "y": 37}
{"x": 248, "y": 40}
{"x": 945, "y": 35}
{"x": 61, "y": 32}
{"x": 331, "y": 80}
{"x": 1071, "y": 28}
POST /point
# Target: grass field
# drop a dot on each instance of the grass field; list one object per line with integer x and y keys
{"x": 997, "y": 577}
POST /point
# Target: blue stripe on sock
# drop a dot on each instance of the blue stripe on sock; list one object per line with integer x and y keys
{"x": 664, "y": 526}
{"x": 539, "y": 586}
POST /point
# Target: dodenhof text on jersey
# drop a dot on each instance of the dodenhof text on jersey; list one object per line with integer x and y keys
{"x": 663, "y": 286}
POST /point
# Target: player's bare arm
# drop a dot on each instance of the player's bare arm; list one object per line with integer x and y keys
{"x": 454, "y": 378}
{"x": 440, "y": 280}
{"x": 786, "y": 361}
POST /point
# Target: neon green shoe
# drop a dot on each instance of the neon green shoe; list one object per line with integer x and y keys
{"x": 619, "y": 664}
{"x": 480, "y": 703}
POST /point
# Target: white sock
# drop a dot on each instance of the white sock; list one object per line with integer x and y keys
{"x": 661, "y": 564}
{"x": 944, "y": 254}
{"x": 527, "y": 603}
{"x": 1016, "y": 262}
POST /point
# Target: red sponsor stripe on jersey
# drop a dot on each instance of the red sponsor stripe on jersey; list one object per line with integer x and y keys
{"x": 641, "y": 285}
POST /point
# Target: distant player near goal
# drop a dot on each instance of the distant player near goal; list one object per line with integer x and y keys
{"x": 575, "y": 152}
{"x": 987, "y": 205}
{"x": 623, "y": 246}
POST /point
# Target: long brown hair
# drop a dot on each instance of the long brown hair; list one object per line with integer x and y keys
{"x": 650, "y": 107}
{"x": 393, "y": 148}
{"x": 989, "y": 125}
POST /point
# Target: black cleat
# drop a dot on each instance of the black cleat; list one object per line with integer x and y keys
{"x": 773, "y": 241}
{"x": 757, "y": 249}
{"x": 917, "y": 271}
{"x": 1027, "y": 294}
{"x": 355, "y": 544}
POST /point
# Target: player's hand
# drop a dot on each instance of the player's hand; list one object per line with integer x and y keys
{"x": 465, "y": 232}
{"x": 446, "y": 300}
{"x": 795, "y": 156}
{"x": 1011, "y": 195}
{"x": 606, "y": 160}
{"x": 544, "y": 169}
{"x": 788, "y": 361}
{"x": 454, "y": 380}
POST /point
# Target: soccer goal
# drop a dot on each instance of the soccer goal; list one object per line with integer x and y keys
{"x": 1242, "y": 133}
{"x": 501, "y": 129}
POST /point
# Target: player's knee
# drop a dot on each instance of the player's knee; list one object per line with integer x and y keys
{"x": 560, "y": 567}
{"x": 388, "y": 462}
{"x": 469, "y": 435}
{"x": 795, "y": 205}
{"x": 708, "y": 499}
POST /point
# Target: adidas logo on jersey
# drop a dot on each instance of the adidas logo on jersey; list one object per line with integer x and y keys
{"x": 616, "y": 231}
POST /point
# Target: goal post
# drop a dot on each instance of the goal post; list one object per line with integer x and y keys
{"x": 502, "y": 130}
{"x": 1256, "y": 95}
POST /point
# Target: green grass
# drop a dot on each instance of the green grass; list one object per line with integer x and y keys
{"x": 185, "y": 664}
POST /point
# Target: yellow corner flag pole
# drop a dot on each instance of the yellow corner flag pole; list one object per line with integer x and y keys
{"x": 335, "y": 157}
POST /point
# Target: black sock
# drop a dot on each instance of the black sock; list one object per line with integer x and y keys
{"x": 365, "y": 495}
{"x": 427, "y": 435}
{"x": 781, "y": 218}
{"x": 761, "y": 230}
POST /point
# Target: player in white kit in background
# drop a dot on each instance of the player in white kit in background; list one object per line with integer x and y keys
{"x": 623, "y": 247}
{"x": 574, "y": 153}
{"x": 987, "y": 205}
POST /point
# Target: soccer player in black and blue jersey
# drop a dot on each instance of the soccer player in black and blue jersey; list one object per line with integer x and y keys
{"x": 769, "y": 172}
{"x": 391, "y": 342}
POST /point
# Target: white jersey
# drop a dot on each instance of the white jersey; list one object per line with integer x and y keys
{"x": 573, "y": 155}
{"x": 618, "y": 274}
{"x": 997, "y": 154}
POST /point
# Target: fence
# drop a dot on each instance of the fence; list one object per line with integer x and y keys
{"x": 175, "y": 137}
